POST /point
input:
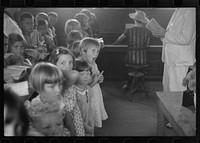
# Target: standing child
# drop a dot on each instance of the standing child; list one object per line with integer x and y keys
{"x": 46, "y": 79}
{"x": 84, "y": 96}
{"x": 64, "y": 60}
{"x": 90, "y": 48}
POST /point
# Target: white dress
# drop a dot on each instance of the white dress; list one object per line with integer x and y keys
{"x": 98, "y": 101}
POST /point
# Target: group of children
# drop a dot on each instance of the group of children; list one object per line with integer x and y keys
{"x": 69, "y": 100}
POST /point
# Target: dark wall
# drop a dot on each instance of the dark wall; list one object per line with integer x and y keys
{"x": 111, "y": 21}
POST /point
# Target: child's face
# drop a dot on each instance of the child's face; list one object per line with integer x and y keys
{"x": 42, "y": 29}
{"x": 52, "y": 20}
{"x": 84, "y": 77}
{"x": 17, "y": 48}
{"x": 27, "y": 24}
{"x": 91, "y": 54}
{"x": 65, "y": 62}
{"x": 50, "y": 124}
{"x": 51, "y": 92}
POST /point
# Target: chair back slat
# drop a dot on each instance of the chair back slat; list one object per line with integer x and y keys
{"x": 137, "y": 46}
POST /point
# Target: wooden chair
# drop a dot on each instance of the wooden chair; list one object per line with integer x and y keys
{"x": 136, "y": 60}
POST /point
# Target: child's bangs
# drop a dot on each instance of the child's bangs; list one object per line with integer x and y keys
{"x": 53, "y": 77}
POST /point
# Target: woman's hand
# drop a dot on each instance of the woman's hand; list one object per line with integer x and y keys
{"x": 160, "y": 33}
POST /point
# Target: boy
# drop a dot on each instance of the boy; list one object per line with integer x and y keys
{"x": 26, "y": 22}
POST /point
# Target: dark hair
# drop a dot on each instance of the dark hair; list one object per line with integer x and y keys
{"x": 16, "y": 109}
{"x": 75, "y": 49}
{"x": 42, "y": 22}
{"x": 58, "y": 51}
{"x": 80, "y": 17}
{"x": 25, "y": 15}
{"x": 74, "y": 35}
{"x": 83, "y": 66}
{"x": 13, "y": 38}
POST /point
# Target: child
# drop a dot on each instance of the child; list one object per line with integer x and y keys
{"x": 72, "y": 24}
{"x": 47, "y": 118}
{"x": 53, "y": 17}
{"x": 46, "y": 79}
{"x": 73, "y": 36}
{"x": 75, "y": 48}
{"x": 44, "y": 37}
{"x": 83, "y": 19}
{"x": 16, "y": 47}
{"x": 41, "y": 15}
{"x": 26, "y": 22}
{"x": 64, "y": 60}
{"x": 84, "y": 96}
{"x": 90, "y": 48}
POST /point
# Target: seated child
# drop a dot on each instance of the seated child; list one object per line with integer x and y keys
{"x": 83, "y": 19}
{"x": 46, "y": 79}
{"x": 72, "y": 24}
{"x": 85, "y": 96}
{"x": 16, "y": 48}
{"x": 26, "y": 22}
{"x": 47, "y": 118}
{"x": 53, "y": 17}
{"x": 76, "y": 50}
{"x": 44, "y": 38}
{"x": 73, "y": 36}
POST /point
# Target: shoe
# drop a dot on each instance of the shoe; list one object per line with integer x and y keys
{"x": 169, "y": 126}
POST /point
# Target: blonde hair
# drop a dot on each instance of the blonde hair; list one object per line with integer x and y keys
{"x": 71, "y": 24}
{"x": 43, "y": 73}
{"x": 38, "y": 108}
{"x": 87, "y": 42}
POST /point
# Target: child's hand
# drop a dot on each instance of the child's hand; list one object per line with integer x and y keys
{"x": 89, "y": 129}
{"x": 101, "y": 77}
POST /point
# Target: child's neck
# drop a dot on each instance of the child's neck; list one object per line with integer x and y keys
{"x": 26, "y": 33}
{"x": 81, "y": 86}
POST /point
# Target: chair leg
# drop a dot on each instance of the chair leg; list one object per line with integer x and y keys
{"x": 126, "y": 86}
{"x": 144, "y": 86}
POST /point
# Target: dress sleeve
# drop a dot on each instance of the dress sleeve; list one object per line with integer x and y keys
{"x": 183, "y": 31}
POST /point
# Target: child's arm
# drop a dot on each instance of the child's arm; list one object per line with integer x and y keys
{"x": 68, "y": 123}
{"x": 96, "y": 79}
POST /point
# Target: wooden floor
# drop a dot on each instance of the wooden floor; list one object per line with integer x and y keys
{"x": 130, "y": 118}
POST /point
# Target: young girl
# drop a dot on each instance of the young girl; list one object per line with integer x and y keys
{"x": 46, "y": 79}
{"x": 84, "y": 96}
{"x": 64, "y": 60}
{"x": 90, "y": 48}
{"x": 16, "y": 48}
